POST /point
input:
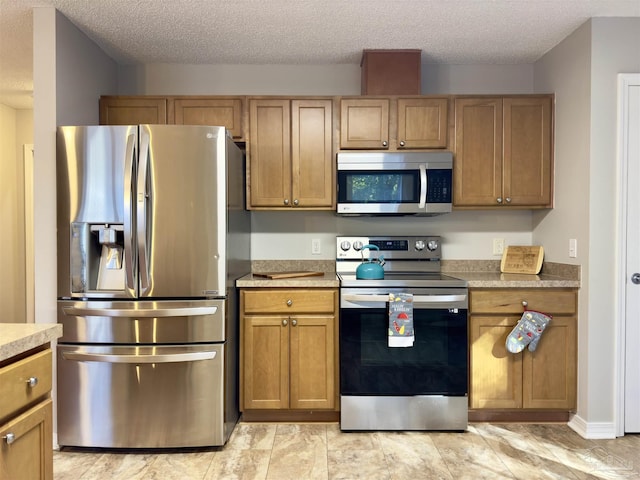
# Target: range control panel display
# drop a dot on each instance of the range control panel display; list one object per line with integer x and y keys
{"x": 405, "y": 248}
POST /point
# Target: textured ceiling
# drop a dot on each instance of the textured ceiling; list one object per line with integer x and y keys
{"x": 300, "y": 31}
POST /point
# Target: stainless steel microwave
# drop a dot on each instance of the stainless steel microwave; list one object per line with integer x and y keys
{"x": 394, "y": 183}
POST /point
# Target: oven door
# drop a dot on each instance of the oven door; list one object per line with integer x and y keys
{"x": 436, "y": 364}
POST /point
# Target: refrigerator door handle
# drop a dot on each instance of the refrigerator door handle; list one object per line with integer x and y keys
{"x": 129, "y": 258}
{"x": 134, "y": 312}
{"x": 187, "y": 356}
{"x": 142, "y": 199}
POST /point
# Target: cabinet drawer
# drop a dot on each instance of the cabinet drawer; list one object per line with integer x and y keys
{"x": 544, "y": 300}
{"x": 17, "y": 393}
{"x": 289, "y": 301}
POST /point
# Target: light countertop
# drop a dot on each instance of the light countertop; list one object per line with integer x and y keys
{"x": 17, "y": 338}
{"x": 474, "y": 280}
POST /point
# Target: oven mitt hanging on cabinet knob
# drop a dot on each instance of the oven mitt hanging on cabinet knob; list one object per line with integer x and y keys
{"x": 527, "y": 331}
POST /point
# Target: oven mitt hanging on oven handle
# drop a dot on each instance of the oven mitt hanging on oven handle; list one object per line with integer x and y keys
{"x": 527, "y": 331}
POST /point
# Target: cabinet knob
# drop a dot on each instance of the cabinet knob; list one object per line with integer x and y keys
{"x": 385, "y": 143}
{"x": 289, "y": 302}
{"x": 285, "y": 323}
{"x": 286, "y": 201}
{"x": 296, "y": 202}
{"x": 32, "y": 382}
{"x": 499, "y": 199}
{"x": 525, "y": 304}
{"x": 508, "y": 199}
{"x": 9, "y": 438}
{"x": 294, "y": 322}
{"x": 402, "y": 143}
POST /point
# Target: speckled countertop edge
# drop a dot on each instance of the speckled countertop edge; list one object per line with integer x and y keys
{"x": 17, "y": 338}
{"x": 477, "y": 273}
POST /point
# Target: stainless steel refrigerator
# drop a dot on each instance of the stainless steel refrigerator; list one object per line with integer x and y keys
{"x": 152, "y": 234}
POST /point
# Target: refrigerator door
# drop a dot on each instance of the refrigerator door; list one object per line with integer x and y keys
{"x": 141, "y": 397}
{"x": 181, "y": 211}
{"x": 96, "y": 169}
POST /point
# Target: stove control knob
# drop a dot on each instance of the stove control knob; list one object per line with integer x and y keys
{"x": 420, "y": 245}
{"x": 357, "y": 245}
{"x": 432, "y": 245}
{"x": 345, "y": 246}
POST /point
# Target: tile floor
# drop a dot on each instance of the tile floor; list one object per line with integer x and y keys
{"x": 322, "y": 451}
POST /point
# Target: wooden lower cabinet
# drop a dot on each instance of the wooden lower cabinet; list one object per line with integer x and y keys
{"x": 30, "y": 454}
{"x": 26, "y": 419}
{"x": 288, "y": 353}
{"x": 541, "y": 380}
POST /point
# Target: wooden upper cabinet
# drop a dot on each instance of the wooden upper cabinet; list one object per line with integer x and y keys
{"x": 269, "y": 176}
{"x": 527, "y": 150}
{"x": 422, "y": 122}
{"x": 393, "y": 123}
{"x": 290, "y": 154}
{"x": 312, "y": 153}
{"x": 503, "y": 152}
{"x": 133, "y": 110}
{"x": 218, "y": 111}
{"x": 364, "y": 123}
{"x": 477, "y": 170}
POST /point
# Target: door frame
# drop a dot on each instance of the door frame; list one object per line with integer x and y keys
{"x": 30, "y": 296}
{"x": 625, "y": 81}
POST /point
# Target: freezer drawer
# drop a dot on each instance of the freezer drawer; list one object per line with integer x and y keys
{"x": 164, "y": 396}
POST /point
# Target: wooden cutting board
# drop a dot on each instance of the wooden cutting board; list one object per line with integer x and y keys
{"x": 522, "y": 259}
{"x": 295, "y": 274}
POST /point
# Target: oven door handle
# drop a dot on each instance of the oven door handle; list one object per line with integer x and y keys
{"x": 354, "y": 297}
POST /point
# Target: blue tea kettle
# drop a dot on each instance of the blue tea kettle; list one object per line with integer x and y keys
{"x": 371, "y": 269}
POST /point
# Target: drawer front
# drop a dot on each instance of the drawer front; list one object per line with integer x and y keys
{"x": 546, "y": 300}
{"x": 289, "y": 301}
{"x": 17, "y": 391}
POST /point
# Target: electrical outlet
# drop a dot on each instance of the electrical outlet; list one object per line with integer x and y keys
{"x": 498, "y": 246}
{"x": 573, "y": 248}
{"x": 315, "y": 247}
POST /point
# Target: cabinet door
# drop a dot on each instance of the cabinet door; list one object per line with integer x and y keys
{"x": 477, "y": 169}
{"x": 549, "y": 373}
{"x": 364, "y": 123}
{"x": 269, "y": 176}
{"x": 30, "y": 455}
{"x": 133, "y": 110}
{"x": 527, "y": 151}
{"x": 312, "y": 154}
{"x": 312, "y": 362}
{"x": 266, "y": 362}
{"x": 422, "y": 122}
{"x": 225, "y": 112}
{"x": 496, "y": 374}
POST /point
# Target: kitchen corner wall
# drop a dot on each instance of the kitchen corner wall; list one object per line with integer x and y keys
{"x": 287, "y": 235}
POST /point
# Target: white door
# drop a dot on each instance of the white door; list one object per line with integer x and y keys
{"x": 629, "y": 147}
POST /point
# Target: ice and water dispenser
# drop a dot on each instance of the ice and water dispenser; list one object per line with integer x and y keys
{"x": 97, "y": 258}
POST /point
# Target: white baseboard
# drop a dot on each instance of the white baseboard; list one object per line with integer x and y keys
{"x": 592, "y": 430}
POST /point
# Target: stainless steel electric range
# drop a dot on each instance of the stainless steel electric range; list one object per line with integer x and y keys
{"x": 423, "y": 386}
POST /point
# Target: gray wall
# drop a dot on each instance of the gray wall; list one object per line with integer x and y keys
{"x": 582, "y": 70}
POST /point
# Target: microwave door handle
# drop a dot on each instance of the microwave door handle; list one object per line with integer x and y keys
{"x": 423, "y": 186}
{"x": 129, "y": 175}
{"x": 142, "y": 199}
